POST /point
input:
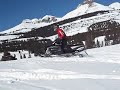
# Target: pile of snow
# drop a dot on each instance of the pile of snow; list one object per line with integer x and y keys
{"x": 99, "y": 71}
{"x": 115, "y": 5}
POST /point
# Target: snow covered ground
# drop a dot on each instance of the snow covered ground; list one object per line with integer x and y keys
{"x": 98, "y": 71}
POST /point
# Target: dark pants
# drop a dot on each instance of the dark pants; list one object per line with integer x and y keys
{"x": 64, "y": 45}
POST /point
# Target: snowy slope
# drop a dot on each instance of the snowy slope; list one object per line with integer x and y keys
{"x": 85, "y": 8}
{"x": 28, "y": 25}
{"x": 115, "y": 5}
{"x": 81, "y": 25}
{"x": 23, "y": 27}
{"x": 8, "y": 37}
{"x": 99, "y": 71}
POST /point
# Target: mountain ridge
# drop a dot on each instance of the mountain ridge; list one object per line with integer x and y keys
{"x": 85, "y": 8}
{"x": 74, "y": 13}
{"x": 115, "y": 5}
{"x": 94, "y": 16}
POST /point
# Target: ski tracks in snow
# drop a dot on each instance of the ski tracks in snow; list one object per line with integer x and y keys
{"x": 49, "y": 74}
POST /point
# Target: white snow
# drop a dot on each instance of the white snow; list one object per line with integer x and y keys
{"x": 27, "y": 25}
{"x": 115, "y": 5}
{"x": 98, "y": 71}
{"x": 81, "y": 25}
{"x": 8, "y": 37}
{"x": 85, "y": 8}
{"x": 50, "y": 18}
{"x": 23, "y": 27}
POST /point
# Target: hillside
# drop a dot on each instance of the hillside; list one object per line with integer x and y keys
{"x": 27, "y": 24}
{"x": 85, "y": 8}
{"x": 98, "y": 71}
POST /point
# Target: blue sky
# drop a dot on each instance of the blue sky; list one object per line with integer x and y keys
{"x": 12, "y": 12}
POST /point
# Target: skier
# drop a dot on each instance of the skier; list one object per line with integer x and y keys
{"x": 62, "y": 38}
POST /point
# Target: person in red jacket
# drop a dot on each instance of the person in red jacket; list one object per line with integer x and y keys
{"x": 62, "y": 36}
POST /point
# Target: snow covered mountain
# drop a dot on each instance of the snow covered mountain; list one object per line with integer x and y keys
{"x": 28, "y": 25}
{"x": 115, "y": 6}
{"x": 80, "y": 25}
{"x": 85, "y": 8}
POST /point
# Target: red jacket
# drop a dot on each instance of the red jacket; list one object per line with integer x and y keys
{"x": 61, "y": 33}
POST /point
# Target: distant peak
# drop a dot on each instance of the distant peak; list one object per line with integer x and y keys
{"x": 115, "y": 5}
{"x": 89, "y": 2}
{"x": 87, "y": 8}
